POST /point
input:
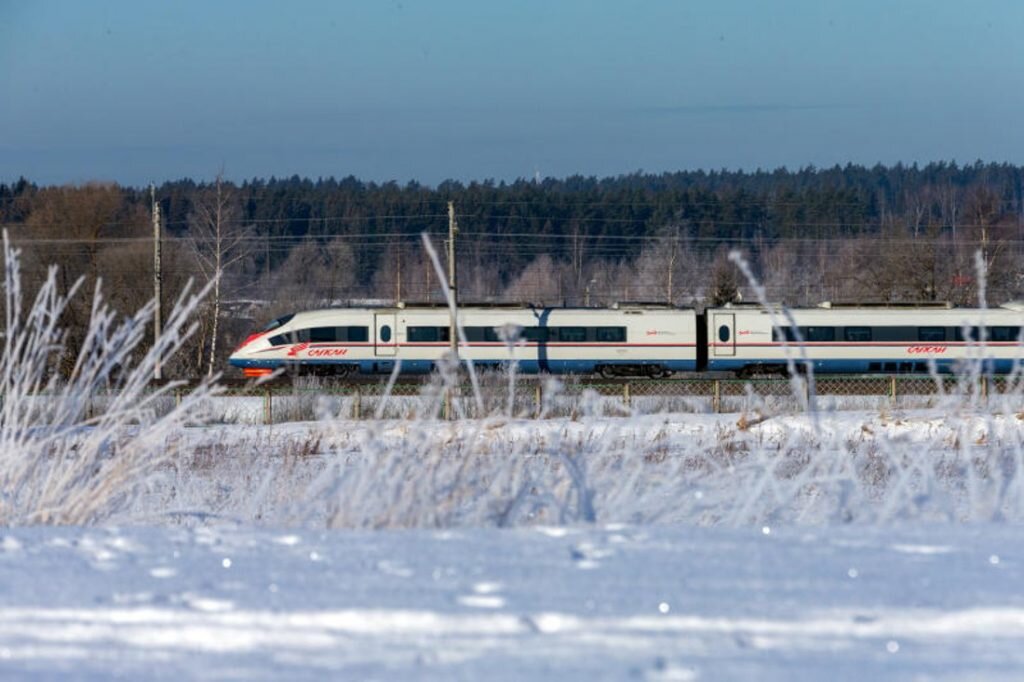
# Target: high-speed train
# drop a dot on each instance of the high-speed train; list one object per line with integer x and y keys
{"x": 640, "y": 339}
{"x": 629, "y": 339}
{"x": 863, "y": 339}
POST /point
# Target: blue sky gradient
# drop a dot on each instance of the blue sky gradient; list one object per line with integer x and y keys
{"x": 418, "y": 90}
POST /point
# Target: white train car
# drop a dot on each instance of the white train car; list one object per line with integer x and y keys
{"x": 864, "y": 339}
{"x": 626, "y": 340}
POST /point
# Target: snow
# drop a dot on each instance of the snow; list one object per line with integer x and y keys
{"x": 620, "y": 602}
{"x": 750, "y": 470}
{"x": 847, "y": 546}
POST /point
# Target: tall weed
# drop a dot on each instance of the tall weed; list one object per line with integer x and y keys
{"x": 61, "y": 461}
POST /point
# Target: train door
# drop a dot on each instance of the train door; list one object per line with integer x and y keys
{"x": 385, "y": 342}
{"x": 723, "y": 334}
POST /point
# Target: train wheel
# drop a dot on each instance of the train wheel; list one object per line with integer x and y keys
{"x": 654, "y": 371}
{"x": 606, "y": 372}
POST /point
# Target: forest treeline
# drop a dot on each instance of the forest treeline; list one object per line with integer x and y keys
{"x": 895, "y": 233}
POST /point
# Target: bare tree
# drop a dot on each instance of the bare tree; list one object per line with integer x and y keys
{"x": 316, "y": 273}
{"x": 725, "y": 280}
{"x": 76, "y": 227}
{"x": 219, "y": 241}
{"x": 539, "y": 282}
{"x": 658, "y": 267}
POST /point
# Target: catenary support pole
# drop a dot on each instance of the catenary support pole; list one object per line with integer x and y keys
{"x": 157, "y": 279}
{"x": 453, "y": 229}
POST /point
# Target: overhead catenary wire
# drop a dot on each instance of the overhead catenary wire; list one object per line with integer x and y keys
{"x": 369, "y": 237}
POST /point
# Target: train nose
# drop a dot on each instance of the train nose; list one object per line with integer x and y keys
{"x": 240, "y": 354}
{"x": 249, "y": 339}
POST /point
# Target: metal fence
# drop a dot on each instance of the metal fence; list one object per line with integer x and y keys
{"x": 533, "y": 397}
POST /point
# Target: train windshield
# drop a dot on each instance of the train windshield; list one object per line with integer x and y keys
{"x": 277, "y": 323}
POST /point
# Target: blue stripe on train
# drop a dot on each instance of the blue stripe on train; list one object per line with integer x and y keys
{"x": 847, "y": 366}
{"x": 385, "y": 365}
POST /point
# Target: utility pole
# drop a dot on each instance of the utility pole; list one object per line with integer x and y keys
{"x": 398, "y": 276}
{"x": 453, "y": 229}
{"x": 157, "y": 278}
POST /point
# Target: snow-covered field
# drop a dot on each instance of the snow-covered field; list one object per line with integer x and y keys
{"x": 958, "y": 464}
{"x": 672, "y": 547}
{"x": 139, "y": 541}
{"x": 612, "y": 602}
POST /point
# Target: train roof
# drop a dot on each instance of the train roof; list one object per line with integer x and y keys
{"x": 625, "y": 305}
{"x": 878, "y": 306}
{"x": 875, "y": 305}
{"x": 945, "y": 315}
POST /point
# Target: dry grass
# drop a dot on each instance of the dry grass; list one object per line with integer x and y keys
{"x": 60, "y": 462}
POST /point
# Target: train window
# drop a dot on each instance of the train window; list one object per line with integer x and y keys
{"x": 857, "y": 334}
{"x": 895, "y": 333}
{"x": 723, "y": 333}
{"x": 481, "y": 334}
{"x": 611, "y": 334}
{"x": 1000, "y": 334}
{"x": 300, "y": 336}
{"x": 280, "y": 340}
{"x": 357, "y": 334}
{"x": 1004, "y": 334}
{"x": 277, "y": 323}
{"x": 890, "y": 367}
{"x": 920, "y": 367}
{"x": 780, "y": 333}
{"x": 820, "y": 334}
{"x": 571, "y": 334}
{"x": 385, "y": 333}
{"x": 421, "y": 334}
{"x": 874, "y": 367}
{"x": 323, "y": 334}
{"x": 427, "y": 334}
{"x": 536, "y": 334}
{"x": 931, "y": 333}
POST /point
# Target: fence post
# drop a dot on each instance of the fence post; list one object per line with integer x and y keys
{"x": 892, "y": 390}
{"x": 626, "y": 400}
{"x": 538, "y": 403}
{"x": 984, "y": 388}
{"x": 357, "y": 403}
{"x": 268, "y": 411}
{"x": 177, "y": 397}
{"x": 716, "y": 397}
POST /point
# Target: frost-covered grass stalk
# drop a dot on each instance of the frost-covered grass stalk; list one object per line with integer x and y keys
{"x": 817, "y": 470}
{"x": 62, "y": 461}
{"x": 961, "y": 460}
{"x": 803, "y": 385}
{"x": 450, "y": 298}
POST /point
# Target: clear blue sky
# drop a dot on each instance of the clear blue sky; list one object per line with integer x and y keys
{"x": 472, "y": 89}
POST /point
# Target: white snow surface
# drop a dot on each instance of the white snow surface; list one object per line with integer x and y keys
{"x": 612, "y": 602}
{"x": 844, "y": 546}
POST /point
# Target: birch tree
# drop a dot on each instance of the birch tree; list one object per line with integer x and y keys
{"x": 219, "y": 241}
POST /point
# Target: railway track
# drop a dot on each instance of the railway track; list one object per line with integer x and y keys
{"x": 285, "y": 381}
{"x": 908, "y": 384}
